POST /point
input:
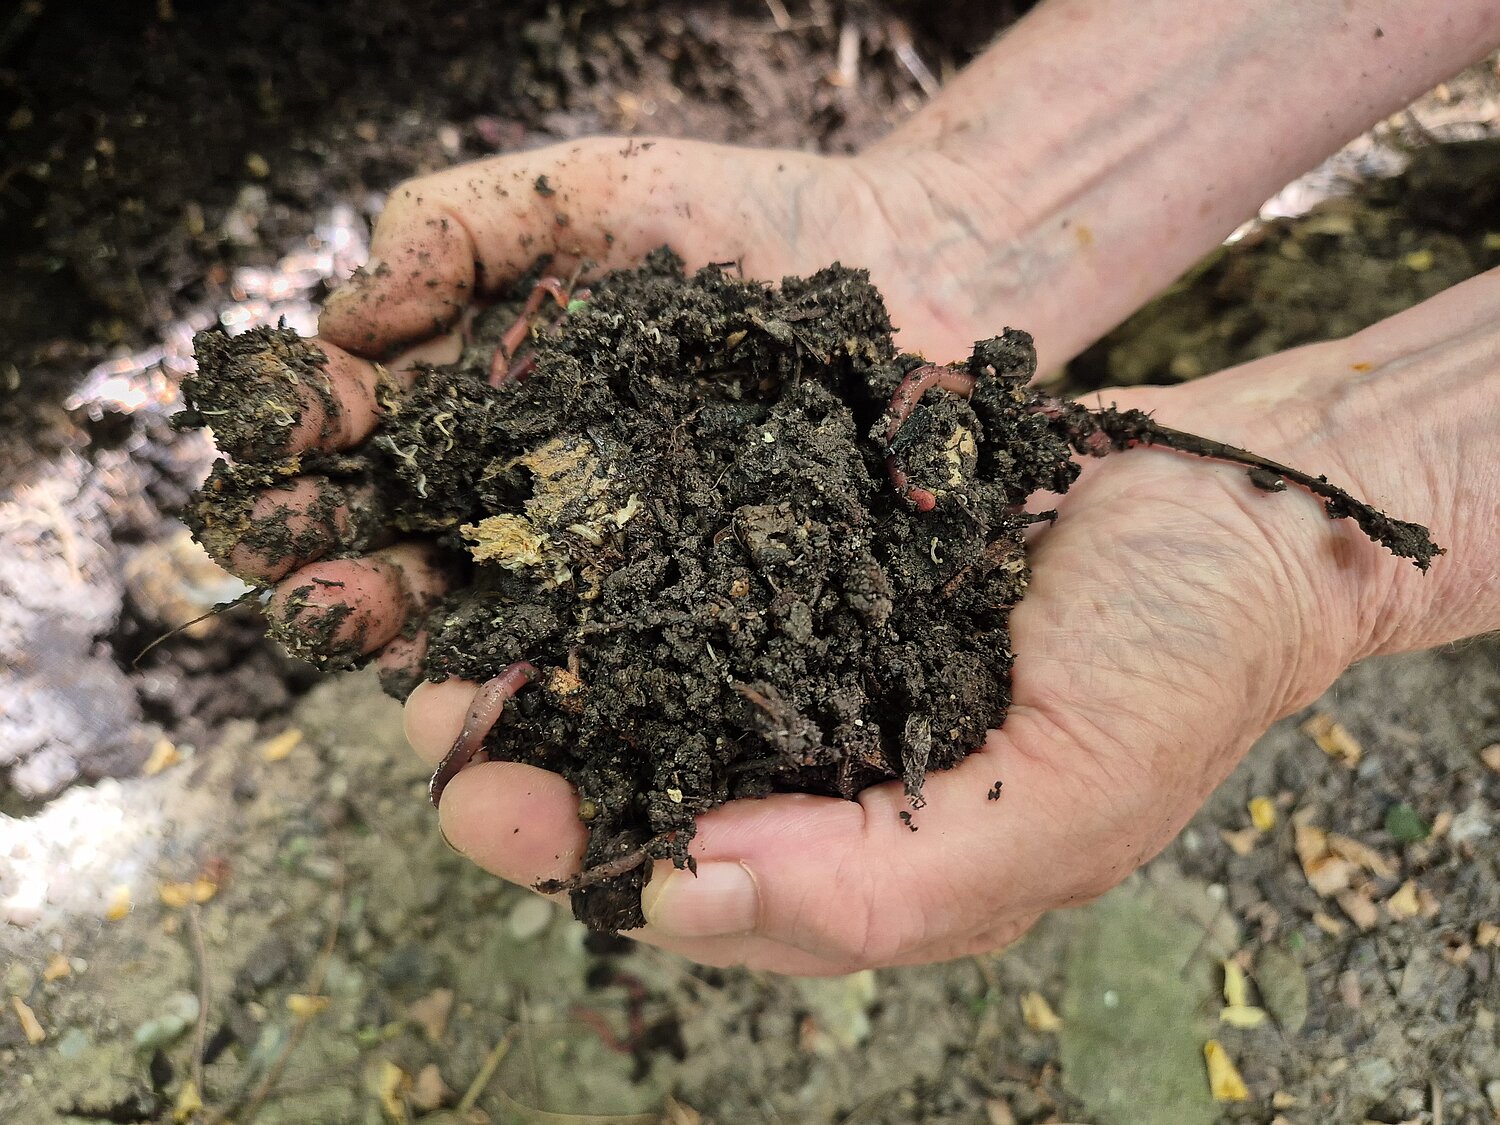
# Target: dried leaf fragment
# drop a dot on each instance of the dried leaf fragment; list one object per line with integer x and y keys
{"x": 1360, "y": 908}
{"x": 1241, "y": 842}
{"x": 1404, "y": 903}
{"x": 392, "y": 1087}
{"x": 1367, "y": 857}
{"x": 189, "y": 1103}
{"x": 1490, "y": 756}
{"x": 30, "y": 1025}
{"x": 163, "y": 754}
{"x": 1245, "y": 1016}
{"x": 1224, "y": 1081}
{"x": 1236, "y": 989}
{"x": 431, "y": 1012}
{"x": 1038, "y": 1014}
{"x": 179, "y": 895}
{"x": 305, "y": 1007}
{"x": 1334, "y": 739}
{"x": 1486, "y": 934}
{"x": 58, "y": 966}
{"x": 1263, "y": 813}
{"x": 1326, "y": 873}
{"x": 276, "y": 748}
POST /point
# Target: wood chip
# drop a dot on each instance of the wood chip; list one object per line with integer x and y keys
{"x": 1490, "y": 756}
{"x": 117, "y": 905}
{"x": 163, "y": 754}
{"x": 1244, "y": 1016}
{"x": 1427, "y": 904}
{"x": 1328, "y": 924}
{"x": 1346, "y": 847}
{"x": 431, "y": 1012}
{"x": 1333, "y": 739}
{"x": 429, "y": 1091}
{"x": 1360, "y": 907}
{"x": 305, "y": 1007}
{"x": 1486, "y": 934}
{"x": 1263, "y": 813}
{"x": 392, "y": 1087}
{"x": 179, "y": 895}
{"x": 1224, "y": 1081}
{"x": 1282, "y": 1100}
{"x": 58, "y": 966}
{"x": 1241, "y": 842}
{"x": 1404, "y": 903}
{"x": 277, "y": 748}
{"x": 30, "y": 1026}
{"x": 1038, "y": 1014}
{"x": 1326, "y": 873}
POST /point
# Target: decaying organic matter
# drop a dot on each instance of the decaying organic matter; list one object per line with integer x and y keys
{"x": 713, "y": 539}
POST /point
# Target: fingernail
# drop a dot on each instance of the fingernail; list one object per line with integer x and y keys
{"x": 721, "y": 899}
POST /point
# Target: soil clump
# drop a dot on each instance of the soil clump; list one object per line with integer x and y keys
{"x": 710, "y": 538}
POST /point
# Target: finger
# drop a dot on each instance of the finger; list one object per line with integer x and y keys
{"x": 333, "y": 613}
{"x": 401, "y": 662}
{"x": 434, "y": 716}
{"x": 342, "y": 414}
{"x": 515, "y": 821}
{"x": 292, "y": 524}
{"x": 852, "y": 884}
{"x": 444, "y": 238}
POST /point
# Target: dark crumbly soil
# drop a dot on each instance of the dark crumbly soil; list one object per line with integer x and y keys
{"x": 682, "y": 520}
{"x": 683, "y": 527}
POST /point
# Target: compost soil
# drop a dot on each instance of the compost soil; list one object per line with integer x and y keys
{"x": 734, "y": 543}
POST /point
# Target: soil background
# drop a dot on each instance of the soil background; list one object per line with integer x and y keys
{"x": 164, "y": 165}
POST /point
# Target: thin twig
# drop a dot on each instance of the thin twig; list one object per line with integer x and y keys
{"x": 313, "y": 987}
{"x": 200, "y": 1030}
{"x": 492, "y": 1063}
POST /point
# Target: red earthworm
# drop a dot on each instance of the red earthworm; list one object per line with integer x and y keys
{"x": 917, "y": 383}
{"x": 484, "y": 713}
{"x": 501, "y": 368}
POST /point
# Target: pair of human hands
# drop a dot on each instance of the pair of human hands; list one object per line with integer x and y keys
{"x": 1174, "y": 610}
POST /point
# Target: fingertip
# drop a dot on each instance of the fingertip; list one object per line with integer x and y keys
{"x": 516, "y": 821}
{"x": 434, "y": 716}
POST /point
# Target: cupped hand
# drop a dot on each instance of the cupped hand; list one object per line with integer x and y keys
{"x": 1174, "y": 612}
{"x": 447, "y": 240}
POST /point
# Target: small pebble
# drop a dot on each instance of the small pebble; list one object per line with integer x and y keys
{"x": 73, "y": 1042}
{"x": 529, "y": 918}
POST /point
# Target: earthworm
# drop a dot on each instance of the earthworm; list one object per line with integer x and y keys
{"x": 917, "y": 383}
{"x": 502, "y": 370}
{"x": 484, "y": 713}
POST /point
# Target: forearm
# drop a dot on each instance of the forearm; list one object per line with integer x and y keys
{"x": 1102, "y": 146}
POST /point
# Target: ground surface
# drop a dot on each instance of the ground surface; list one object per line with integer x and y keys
{"x": 238, "y": 187}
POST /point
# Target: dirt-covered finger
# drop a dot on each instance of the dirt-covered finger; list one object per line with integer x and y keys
{"x": 445, "y": 238}
{"x": 336, "y": 613}
{"x": 269, "y": 392}
{"x": 401, "y": 662}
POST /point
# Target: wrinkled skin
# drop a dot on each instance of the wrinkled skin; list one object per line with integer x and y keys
{"x": 1175, "y": 610}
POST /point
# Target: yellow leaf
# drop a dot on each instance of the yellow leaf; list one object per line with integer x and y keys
{"x": 394, "y": 1083}
{"x": 1333, "y": 739}
{"x": 1263, "y": 813}
{"x": 1420, "y": 261}
{"x": 178, "y": 895}
{"x": 57, "y": 968}
{"x": 305, "y": 1007}
{"x": 1404, "y": 903}
{"x": 118, "y": 903}
{"x": 163, "y": 754}
{"x": 1224, "y": 1081}
{"x": 29, "y": 1023}
{"x": 1242, "y": 1016}
{"x": 189, "y": 1103}
{"x": 1235, "y": 991}
{"x": 1038, "y": 1014}
{"x": 275, "y": 749}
